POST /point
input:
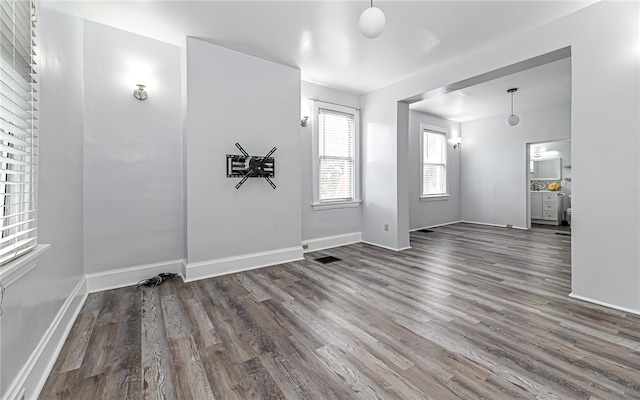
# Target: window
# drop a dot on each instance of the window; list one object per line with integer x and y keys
{"x": 335, "y": 149}
{"x": 18, "y": 129}
{"x": 434, "y": 163}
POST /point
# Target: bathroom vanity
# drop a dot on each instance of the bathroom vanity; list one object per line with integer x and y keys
{"x": 546, "y": 207}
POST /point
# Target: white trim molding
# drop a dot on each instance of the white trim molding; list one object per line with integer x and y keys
{"x": 331, "y": 241}
{"x": 498, "y": 225}
{"x": 16, "y": 269}
{"x": 434, "y": 226}
{"x": 386, "y": 247}
{"x": 331, "y": 205}
{"x": 34, "y": 373}
{"x": 117, "y": 278}
{"x": 230, "y": 265}
{"x": 604, "y": 304}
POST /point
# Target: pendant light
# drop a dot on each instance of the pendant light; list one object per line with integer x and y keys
{"x": 512, "y": 120}
{"x": 372, "y": 22}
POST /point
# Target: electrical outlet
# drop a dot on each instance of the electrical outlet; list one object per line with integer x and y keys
{"x": 305, "y": 247}
{"x": 509, "y": 226}
{"x": 386, "y": 227}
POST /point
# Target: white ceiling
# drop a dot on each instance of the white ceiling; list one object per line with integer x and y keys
{"x": 322, "y": 38}
{"x": 545, "y": 85}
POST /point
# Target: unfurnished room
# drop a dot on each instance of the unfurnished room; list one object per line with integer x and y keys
{"x": 319, "y": 199}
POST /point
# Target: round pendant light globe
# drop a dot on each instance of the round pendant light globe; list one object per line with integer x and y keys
{"x": 513, "y": 120}
{"x": 372, "y": 22}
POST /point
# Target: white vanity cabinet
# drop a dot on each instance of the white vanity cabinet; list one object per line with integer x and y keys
{"x": 546, "y": 207}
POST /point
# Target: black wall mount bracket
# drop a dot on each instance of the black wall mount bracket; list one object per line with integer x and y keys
{"x": 245, "y": 166}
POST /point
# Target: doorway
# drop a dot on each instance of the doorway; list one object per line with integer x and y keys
{"x": 548, "y": 172}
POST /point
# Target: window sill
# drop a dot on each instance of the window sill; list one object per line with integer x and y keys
{"x": 16, "y": 269}
{"x": 336, "y": 204}
{"x": 439, "y": 197}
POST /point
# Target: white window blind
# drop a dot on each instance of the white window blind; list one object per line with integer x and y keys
{"x": 18, "y": 129}
{"x": 434, "y": 163}
{"x": 336, "y": 144}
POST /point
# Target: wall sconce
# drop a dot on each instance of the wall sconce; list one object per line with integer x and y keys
{"x": 140, "y": 93}
{"x": 303, "y": 121}
{"x": 457, "y": 142}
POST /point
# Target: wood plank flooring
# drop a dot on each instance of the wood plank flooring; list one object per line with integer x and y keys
{"x": 469, "y": 312}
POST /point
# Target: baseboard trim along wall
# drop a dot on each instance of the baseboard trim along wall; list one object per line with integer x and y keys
{"x": 604, "y": 304}
{"x": 331, "y": 241}
{"x": 498, "y": 225}
{"x": 385, "y": 247}
{"x": 37, "y": 368}
{"x": 435, "y": 226}
{"x": 123, "y": 277}
{"x": 230, "y": 265}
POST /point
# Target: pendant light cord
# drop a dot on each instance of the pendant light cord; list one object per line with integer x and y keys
{"x": 511, "y": 101}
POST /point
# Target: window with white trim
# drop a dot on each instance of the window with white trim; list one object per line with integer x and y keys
{"x": 335, "y": 150}
{"x": 434, "y": 163}
{"x": 18, "y": 129}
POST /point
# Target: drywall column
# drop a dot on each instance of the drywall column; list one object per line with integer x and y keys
{"x": 133, "y": 158}
{"x": 380, "y": 150}
{"x": 237, "y": 98}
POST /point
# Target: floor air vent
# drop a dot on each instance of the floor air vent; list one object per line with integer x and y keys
{"x": 425, "y": 230}
{"x": 327, "y": 260}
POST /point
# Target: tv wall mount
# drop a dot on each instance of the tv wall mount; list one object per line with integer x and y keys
{"x": 245, "y": 166}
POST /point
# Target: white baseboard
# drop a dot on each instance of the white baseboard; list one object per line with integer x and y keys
{"x": 230, "y": 265}
{"x": 331, "y": 241}
{"x": 33, "y": 375}
{"x": 435, "y": 226}
{"x": 123, "y": 277}
{"x": 604, "y": 304}
{"x": 498, "y": 225}
{"x": 386, "y": 247}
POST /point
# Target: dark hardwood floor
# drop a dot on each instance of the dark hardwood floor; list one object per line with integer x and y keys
{"x": 470, "y": 312}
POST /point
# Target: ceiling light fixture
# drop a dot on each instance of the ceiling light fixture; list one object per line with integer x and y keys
{"x": 512, "y": 120}
{"x": 372, "y": 22}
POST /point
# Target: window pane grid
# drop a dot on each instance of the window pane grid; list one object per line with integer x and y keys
{"x": 434, "y": 163}
{"x": 336, "y": 147}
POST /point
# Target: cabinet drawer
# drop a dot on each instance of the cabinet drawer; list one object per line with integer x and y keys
{"x": 550, "y": 215}
{"x": 549, "y": 196}
{"x": 549, "y": 206}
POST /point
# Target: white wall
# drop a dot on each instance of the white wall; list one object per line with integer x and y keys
{"x": 494, "y": 168}
{"x": 380, "y": 171}
{"x": 132, "y": 154}
{"x": 233, "y": 97}
{"x": 605, "y": 63}
{"x": 424, "y": 214}
{"x": 332, "y": 222}
{"x": 31, "y": 303}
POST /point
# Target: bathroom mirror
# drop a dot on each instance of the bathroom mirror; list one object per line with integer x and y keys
{"x": 547, "y": 168}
